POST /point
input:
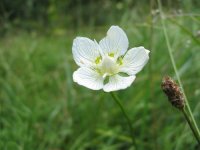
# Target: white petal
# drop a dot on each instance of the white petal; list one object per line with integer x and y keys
{"x": 88, "y": 78}
{"x": 115, "y": 42}
{"x": 134, "y": 60}
{"x": 147, "y": 51}
{"x": 118, "y": 82}
{"x": 85, "y": 51}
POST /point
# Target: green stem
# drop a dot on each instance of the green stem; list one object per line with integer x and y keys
{"x": 175, "y": 68}
{"x": 117, "y": 100}
{"x": 193, "y": 120}
{"x": 190, "y": 122}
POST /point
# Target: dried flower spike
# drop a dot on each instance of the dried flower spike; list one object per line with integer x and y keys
{"x": 173, "y": 92}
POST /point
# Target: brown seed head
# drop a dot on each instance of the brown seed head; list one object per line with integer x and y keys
{"x": 173, "y": 92}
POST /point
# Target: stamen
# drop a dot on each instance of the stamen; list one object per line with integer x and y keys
{"x": 98, "y": 60}
{"x": 120, "y": 61}
{"x": 111, "y": 54}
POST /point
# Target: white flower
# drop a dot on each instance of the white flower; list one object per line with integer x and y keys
{"x": 107, "y": 65}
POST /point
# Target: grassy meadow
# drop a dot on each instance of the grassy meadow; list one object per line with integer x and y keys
{"x": 43, "y": 109}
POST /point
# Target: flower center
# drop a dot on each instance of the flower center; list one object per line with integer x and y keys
{"x": 109, "y": 66}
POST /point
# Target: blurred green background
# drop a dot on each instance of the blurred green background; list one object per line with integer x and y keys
{"x": 43, "y": 109}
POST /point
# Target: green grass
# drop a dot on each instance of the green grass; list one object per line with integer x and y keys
{"x": 42, "y": 108}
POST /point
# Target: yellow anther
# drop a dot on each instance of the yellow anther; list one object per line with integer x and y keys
{"x": 98, "y": 60}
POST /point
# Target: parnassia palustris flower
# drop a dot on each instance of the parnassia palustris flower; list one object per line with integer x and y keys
{"x": 107, "y": 65}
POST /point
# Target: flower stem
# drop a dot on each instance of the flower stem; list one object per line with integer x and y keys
{"x": 192, "y": 125}
{"x": 117, "y": 100}
{"x": 175, "y": 68}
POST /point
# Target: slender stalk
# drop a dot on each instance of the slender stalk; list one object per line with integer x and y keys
{"x": 197, "y": 136}
{"x": 197, "y": 107}
{"x": 117, "y": 100}
{"x": 193, "y": 122}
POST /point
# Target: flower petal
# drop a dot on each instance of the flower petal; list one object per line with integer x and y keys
{"x": 88, "y": 78}
{"x": 118, "y": 82}
{"x": 85, "y": 51}
{"x": 134, "y": 60}
{"x": 115, "y": 42}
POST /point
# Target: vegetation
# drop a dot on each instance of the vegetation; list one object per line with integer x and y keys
{"x": 42, "y": 108}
